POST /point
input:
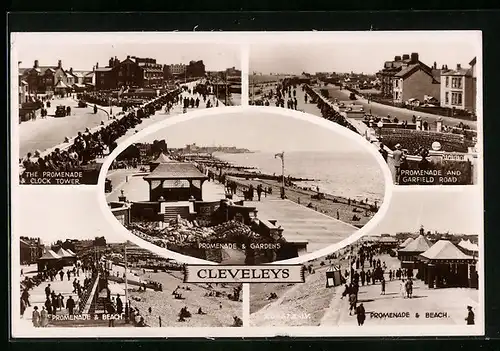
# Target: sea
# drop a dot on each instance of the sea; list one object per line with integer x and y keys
{"x": 352, "y": 175}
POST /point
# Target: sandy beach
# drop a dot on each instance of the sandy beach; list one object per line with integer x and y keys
{"x": 219, "y": 310}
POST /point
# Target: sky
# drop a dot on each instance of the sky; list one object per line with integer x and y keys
{"x": 266, "y": 132}
{"x": 81, "y": 51}
{"x": 363, "y": 52}
{"x": 454, "y": 210}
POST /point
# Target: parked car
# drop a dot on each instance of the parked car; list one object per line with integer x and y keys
{"x": 108, "y": 187}
{"x": 352, "y": 96}
{"x": 61, "y": 111}
{"x": 82, "y": 103}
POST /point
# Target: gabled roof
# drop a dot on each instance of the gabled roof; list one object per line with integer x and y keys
{"x": 420, "y": 244}
{"x": 63, "y": 253}
{"x": 176, "y": 170}
{"x": 49, "y": 255}
{"x": 61, "y": 84}
{"x": 473, "y": 62}
{"x": 71, "y": 252}
{"x": 445, "y": 250}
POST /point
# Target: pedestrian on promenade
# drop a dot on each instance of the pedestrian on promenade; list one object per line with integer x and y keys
{"x": 397, "y": 156}
{"x": 360, "y": 314}
{"x": 382, "y": 282}
{"x": 352, "y": 302}
{"x": 470, "y": 316}
{"x": 35, "y": 317}
{"x": 47, "y": 291}
{"x": 44, "y": 317}
{"x": 402, "y": 288}
{"x": 259, "y": 191}
{"x": 70, "y": 305}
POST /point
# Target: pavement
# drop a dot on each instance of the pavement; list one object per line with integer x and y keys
{"x": 382, "y": 110}
{"x": 45, "y": 133}
{"x": 303, "y": 224}
{"x": 422, "y": 309}
{"x": 37, "y": 294}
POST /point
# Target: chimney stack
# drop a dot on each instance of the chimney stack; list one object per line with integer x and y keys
{"x": 397, "y": 58}
{"x": 36, "y": 64}
{"x": 435, "y": 65}
{"x": 459, "y": 66}
{"x": 59, "y": 64}
{"x": 128, "y": 57}
{"x": 414, "y": 57}
{"x": 97, "y": 65}
{"x": 406, "y": 57}
{"x": 71, "y": 70}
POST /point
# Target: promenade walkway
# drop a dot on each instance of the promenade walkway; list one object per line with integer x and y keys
{"x": 303, "y": 224}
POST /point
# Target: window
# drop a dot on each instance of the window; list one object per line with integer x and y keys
{"x": 456, "y": 99}
{"x": 447, "y": 81}
{"x": 447, "y": 97}
{"x": 456, "y": 83}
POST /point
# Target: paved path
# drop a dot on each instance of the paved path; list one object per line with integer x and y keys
{"x": 383, "y": 110}
{"x": 452, "y": 301}
{"x": 303, "y": 224}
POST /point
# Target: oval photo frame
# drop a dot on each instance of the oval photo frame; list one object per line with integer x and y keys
{"x": 318, "y": 121}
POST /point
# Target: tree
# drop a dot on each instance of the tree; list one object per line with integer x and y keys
{"x": 129, "y": 153}
{"x": 100, "y": 241}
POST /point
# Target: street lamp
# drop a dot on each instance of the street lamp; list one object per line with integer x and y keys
{"x": 282, "y": 156}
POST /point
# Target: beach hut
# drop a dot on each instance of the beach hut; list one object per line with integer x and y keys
{"x": 67, "y": 258}
{"x": 49, "y": 260}
{"x": 445, "y": 265}
{"x": 405, "y": 243}
{"x": 408, "y": 254}
{"x": 333, "y": 276}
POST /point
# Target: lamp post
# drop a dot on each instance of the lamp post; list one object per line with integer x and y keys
{"x": 126, "y": 269}
{"x": 282, "y": 156}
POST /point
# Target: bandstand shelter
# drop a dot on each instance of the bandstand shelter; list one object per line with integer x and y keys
{"x": 49, "y": 260}
{"x": 444, "y": 265}
{"x": 408, "y": 254}
{"x": 161, "y": 159}
{"x": 175, "y": 181}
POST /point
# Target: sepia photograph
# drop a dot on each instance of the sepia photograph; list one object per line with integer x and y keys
{"x": 73, "y": 275}
{"x": 414, "y": 98}
{"x": 246, "y": 193}
{"x": 419, "y": 267}
{"x": 78, "y": 97}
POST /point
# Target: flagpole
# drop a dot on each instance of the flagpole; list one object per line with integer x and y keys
{"x": 283, "y": 174}
{"x": 126, "y": 268}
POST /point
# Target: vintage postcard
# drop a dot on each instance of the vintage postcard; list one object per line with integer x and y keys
{"x": 246, "y": 184}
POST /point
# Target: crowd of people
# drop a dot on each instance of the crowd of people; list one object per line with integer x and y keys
{"x": 87, "y": 146}
{"x": 55, "y": 302}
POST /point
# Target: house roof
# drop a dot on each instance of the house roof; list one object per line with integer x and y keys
{"x": 176, "y": 170}
{"x": 61, "y": 84}
{"x": 71, "y": 252}
{"x": 49, "y": 255}
{"x": 473, "y": 62}
{"x": 445, "y": 250}
{"x": 104, "y": 69}
{"x": 457, "y": 72}
{"x": 420, "y": 244}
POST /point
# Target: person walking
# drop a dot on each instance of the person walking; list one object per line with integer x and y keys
{"x": 259, "y": 191}
{"x": 360, "y": 314}
{"x": 382, "y": 283}
{"x": 35, "y": 317}
{"x": 470, "y": 316}
{"x": 402, "y": 288}
{"x": 44, "y": 318}
{"x": 70, "y": 305}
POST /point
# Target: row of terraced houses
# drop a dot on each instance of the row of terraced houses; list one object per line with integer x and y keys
{"x": 133, "y": 71}
{"x": 406, "y": 78}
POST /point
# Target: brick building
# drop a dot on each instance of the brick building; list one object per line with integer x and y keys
{"x": 43, "y": 79}
{"x": 134, "y": 72}
{"x": 415, "y": 81}
{"x": 30, "y": 250}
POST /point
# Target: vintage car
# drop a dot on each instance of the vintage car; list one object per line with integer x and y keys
{"x": 61, "y": 111}
{"x": 82, "y": 103}
{"x": 352, "y": 96}
{"x": 108, "y": 187}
